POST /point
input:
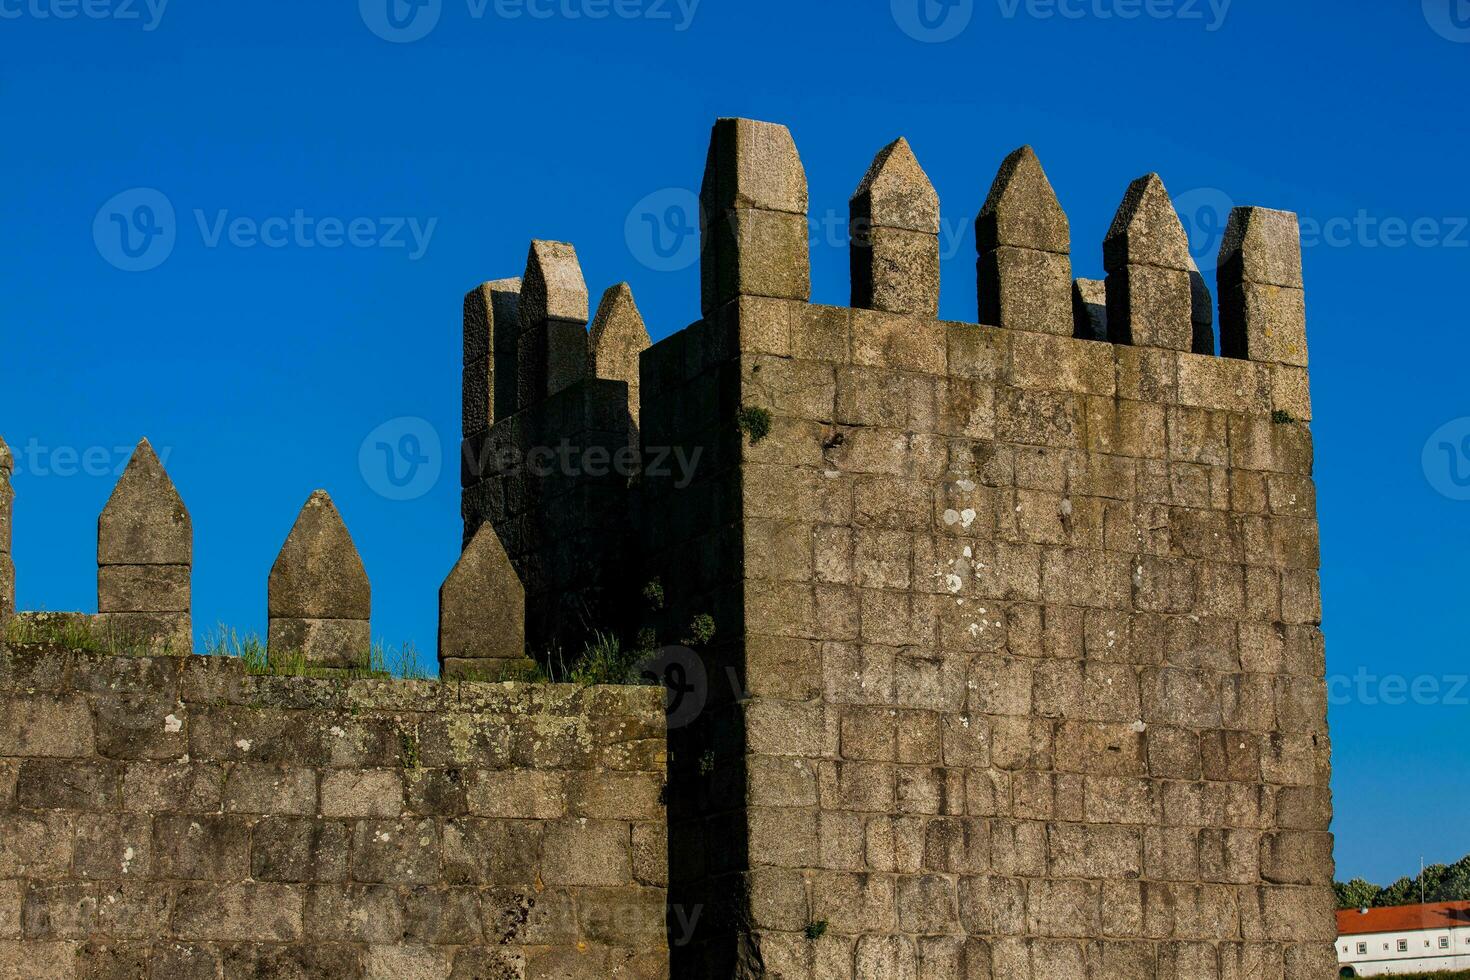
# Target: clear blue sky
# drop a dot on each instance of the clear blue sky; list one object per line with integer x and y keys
{"x": 260, "y": 370}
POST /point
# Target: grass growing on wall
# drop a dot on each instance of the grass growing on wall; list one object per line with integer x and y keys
{"x": 383, "y": 662}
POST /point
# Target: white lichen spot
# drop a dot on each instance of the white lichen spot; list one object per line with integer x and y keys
{"x": 966, "y": 485}
{"x": 383, "y": 836}
{"x": 964, "y": 721}
{"x": 833, "y": 474}
{"x": 173, "y": 725}
{"x": 1139, "y": 727}
{"x": 975, "y": 630}
{"x": 951, "y": 517}
{"x": 337, "y": 731}
{"x": 954, "y": 583}
{"x": 127, "y": 862}
{"x": 243, "y": 744}
{"x": 967, "y": 516}
{"x": 1066, "y": 507}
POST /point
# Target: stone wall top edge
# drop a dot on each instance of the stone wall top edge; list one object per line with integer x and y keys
{"x": 204, "y": 679}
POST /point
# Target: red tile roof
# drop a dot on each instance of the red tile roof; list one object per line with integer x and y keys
{"x": 1404, "y": 918}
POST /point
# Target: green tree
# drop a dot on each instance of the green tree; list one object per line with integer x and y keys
{"x": 1453, "y": 885}
{"x": 1405, "y": 891}
{"x": 1356, "y": 894}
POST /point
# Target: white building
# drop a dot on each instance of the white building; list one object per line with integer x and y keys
{"x": 1404, "y": 939}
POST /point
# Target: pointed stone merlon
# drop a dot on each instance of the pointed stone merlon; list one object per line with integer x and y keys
{"x": 319, "y": 599}
{"x": 552, "y": 353}
{"x": 482, "y": 612}
{"x": 619, "y": 338}
{"x": 1025, "y": 245}
{"x": 753, "y": 206}
{"x": 1090, "y": 309}
{"x": 1201, "y": 310}
{"x": 492, "y": 328}
{"x": 1146, "y": 255}
{"x": 1262, "y": 305}
{"x": 145, "y": 557}
{"x": 7, "y": 516}
{"x": 895, "y": 236}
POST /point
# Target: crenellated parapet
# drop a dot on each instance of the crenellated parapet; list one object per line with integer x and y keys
{"x": 550, "y": 470}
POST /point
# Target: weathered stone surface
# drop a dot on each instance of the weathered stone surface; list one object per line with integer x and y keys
{"x": 1146, "y": 255}
{"x": 1146, "y": 230}
{"x": 552, "y": 351}
{"x": 320, "y": 600}
{"x": 7, "y": 516}
{"x": 894, "y": 230}
{"x": 144, "y": 550}
{"x": 896, "y": 193}
{"x": 145, "y": 521}
{"x": 1262, "y": 304}
{"x": 1090, "y": 309}
{"x": 492, "y": 329}
{"x": 753, "y": 206}
{"x": 337, "y": 643}
{"x": 482, "y": 605}
{"x": 553, "y": 287}
{"x": 1024, "y": 240}
{"x": 212, "y": 864}
{"x": 1202, "y": 311}
{"x": 618, "y": 338}
{"x": 1022, "y": 209}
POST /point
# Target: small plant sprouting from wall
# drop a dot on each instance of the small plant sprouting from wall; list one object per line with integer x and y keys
{"x": 755, "y": 423}
{"x": 408, "y": 746}
{"x": 701, "y": 631}
{"x": 707, "y": 763}
{"x": 816, "y": 930}
{"x": 603, "y": 661}
{"x": 1283, "y": 417}
{"x": 653, "y": 594}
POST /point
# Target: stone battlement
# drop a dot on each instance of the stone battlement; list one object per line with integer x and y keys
{"x": 1006, "y": 650}
{"x": 1018, "y": 668}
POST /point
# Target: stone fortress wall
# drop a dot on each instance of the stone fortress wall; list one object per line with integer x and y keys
{"x": 1011, "y": 666}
